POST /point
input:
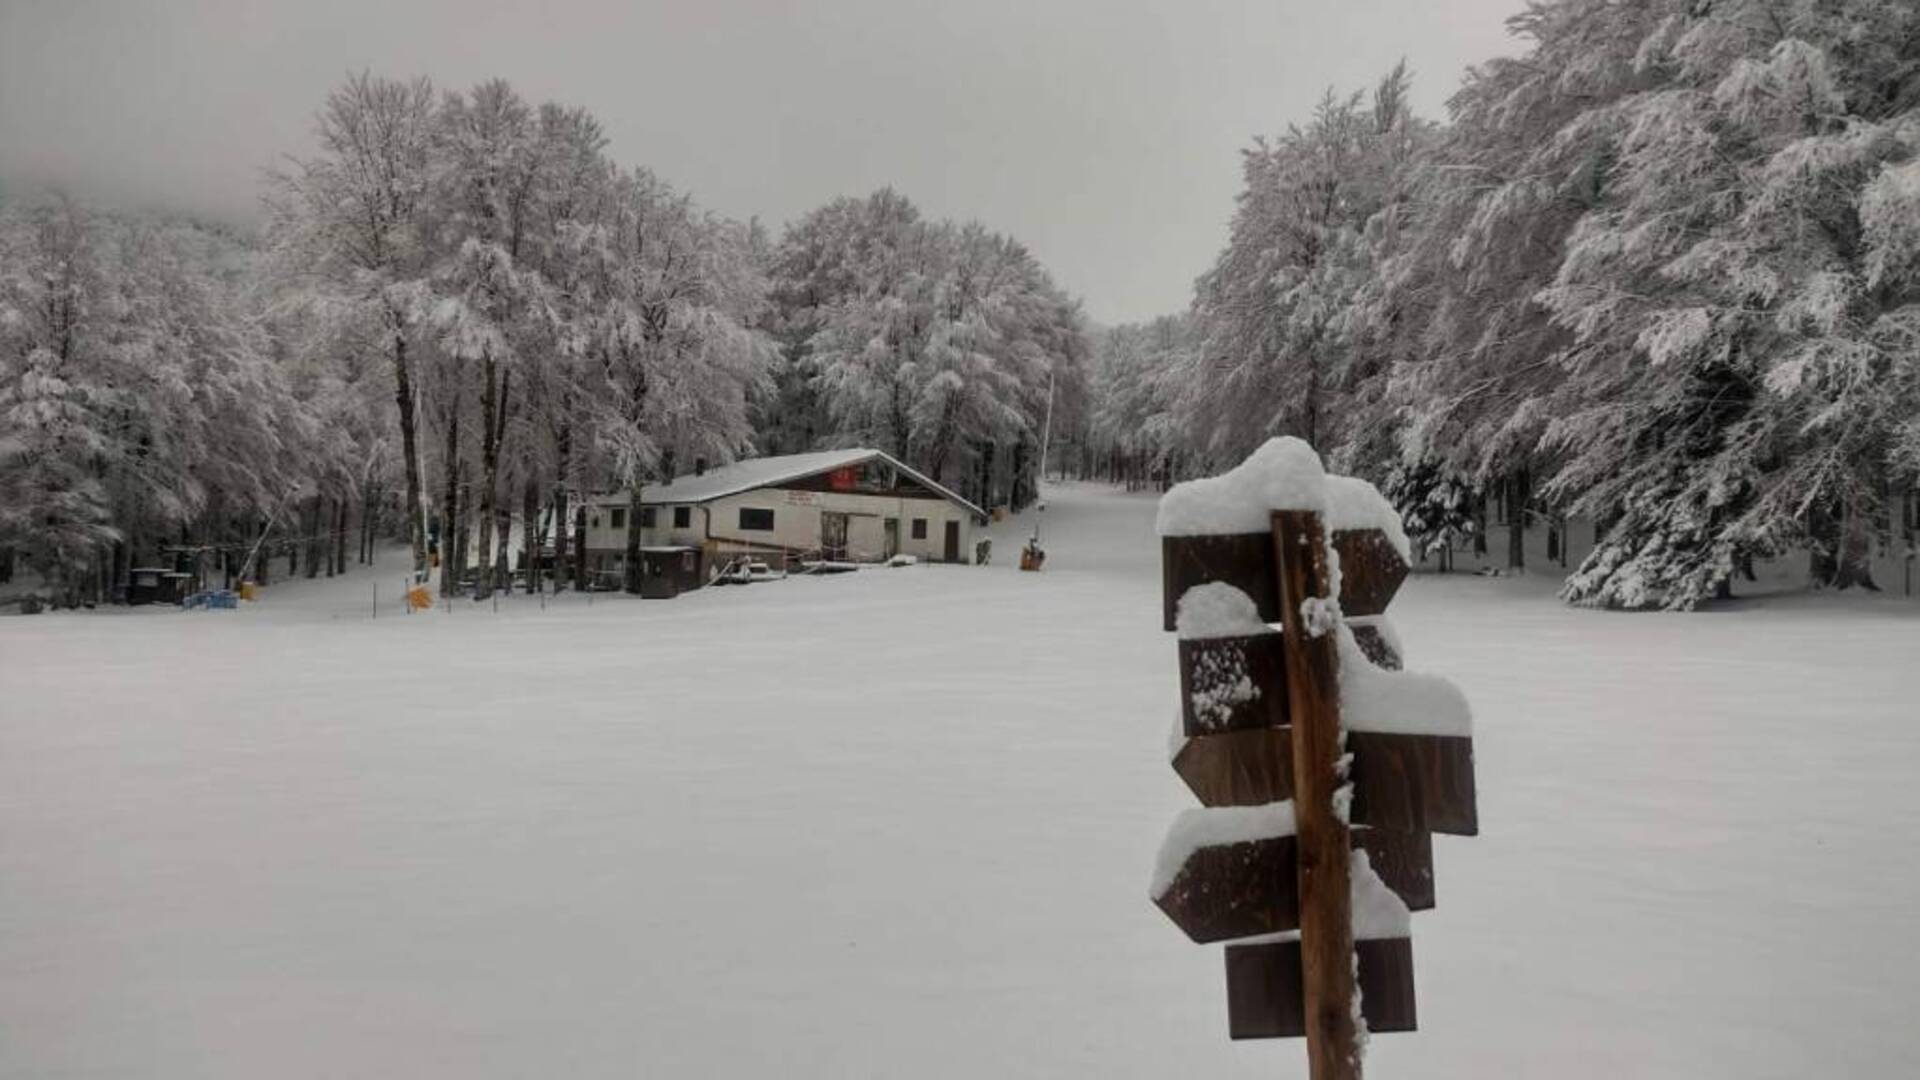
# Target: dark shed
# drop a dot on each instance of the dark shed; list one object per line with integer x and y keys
{"x": 666, "y": 572}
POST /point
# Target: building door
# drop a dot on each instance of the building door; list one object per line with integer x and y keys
{"x": 953, "y": 541}
{"x": 833, "y": 535}
{"x": 891, "y": 536}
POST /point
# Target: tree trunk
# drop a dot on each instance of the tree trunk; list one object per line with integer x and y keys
{"x": 1019, "y": 498}
{"x": 530, "y": 540}
{"x": 450, "y": 504}
{"x": 464, "y": 560}
{"x": 310, "y": 535}
{"x": 489, "y": 471}
{"x": 580, "y": 548}
{"x": 1843, "y": 549}
{"x": 120, "y": 593}
{"x": 263, "y": 556}
{"x": 369, "y": 518}
{"x": 986, "y": 476}
{"x": 1910, "y": 525}
{"x": 563, "y": 452}
{"x": 1517, "y": 495}
{"x": 409, "y": 447}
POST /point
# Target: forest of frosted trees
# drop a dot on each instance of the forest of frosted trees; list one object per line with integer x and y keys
{"x": 460, "y": 315}
{"x": 1659, "y": 272}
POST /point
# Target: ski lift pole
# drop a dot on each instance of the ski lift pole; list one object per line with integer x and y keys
{"x": 247, "y": 567}
{"x": 1046, "y": 439}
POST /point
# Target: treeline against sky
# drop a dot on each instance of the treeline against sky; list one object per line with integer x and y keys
{"x": 1660, "y": 271}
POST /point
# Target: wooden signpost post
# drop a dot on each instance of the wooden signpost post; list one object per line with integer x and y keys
{"x": 1322, "y": 770}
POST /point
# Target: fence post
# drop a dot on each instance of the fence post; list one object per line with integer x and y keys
{"x": 1313, "y": 696}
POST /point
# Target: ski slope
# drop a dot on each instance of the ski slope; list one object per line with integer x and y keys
{"x": 900, "y": 823}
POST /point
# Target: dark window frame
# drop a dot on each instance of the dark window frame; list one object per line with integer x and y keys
{"x": 647, "y": 517}
{"x": 919, "y": 528}
{"x": 683, "y": 517}
{"x": 756, "y": 519}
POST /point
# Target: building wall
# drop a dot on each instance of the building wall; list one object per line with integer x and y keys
{"x": 796, "y": 524}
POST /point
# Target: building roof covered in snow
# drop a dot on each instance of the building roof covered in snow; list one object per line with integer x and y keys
{"x": 718, "y": 483}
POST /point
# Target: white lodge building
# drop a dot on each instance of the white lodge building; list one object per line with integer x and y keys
{"x": 836, "y": 505}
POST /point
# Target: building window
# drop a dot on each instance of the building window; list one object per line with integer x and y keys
{"x": 755, "y": 519}
{"x": 619, "y": 517}
{"x": 919, "y": 528}
{"x": 683, "y": 517}
{"x": 646, "y": 517}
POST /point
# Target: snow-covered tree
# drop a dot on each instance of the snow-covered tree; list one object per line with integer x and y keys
{"x": 351, "y": 228}
{"x": 1740, "y": 355}
{"x": 936, "y": 341}
{"x": 56, "y": 391}
{"x": 1284, "y": 346}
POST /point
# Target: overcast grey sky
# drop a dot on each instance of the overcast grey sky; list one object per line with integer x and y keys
{"x": 1102, "y": 133}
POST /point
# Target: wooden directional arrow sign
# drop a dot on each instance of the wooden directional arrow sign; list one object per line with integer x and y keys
{"x": 1264, "y": 999}
{"x": 1305, "y": 746}
{"x": 1411, "y": 783}
{"x": 1420, "y": 783}
{"x": 1239, "y": 768}
{"x": 1235, "y": 890}
{"x": 1243, "y": 889}
{"x": 1232, "y": 684}
{"x": 1371, "y": 570}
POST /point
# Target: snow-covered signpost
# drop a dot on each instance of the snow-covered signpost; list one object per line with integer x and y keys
{"x": 1322, "y": 768}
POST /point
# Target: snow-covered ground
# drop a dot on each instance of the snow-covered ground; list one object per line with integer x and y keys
{"x": 900, "y": 823}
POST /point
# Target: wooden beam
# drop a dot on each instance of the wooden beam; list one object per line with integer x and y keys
{"x": 1264, "y": 984}
{"x": 1325, "y": 894}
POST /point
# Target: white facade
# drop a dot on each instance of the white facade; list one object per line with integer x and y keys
{"x": 786, "y": 517}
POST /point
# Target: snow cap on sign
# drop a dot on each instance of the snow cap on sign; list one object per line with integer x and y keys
{"x": 1400, "y": 702}
{"x": 1284, "y": 474}
{"x": 1377, "y": 911}
{"x": 1215, "y": 610}
{"x": 1211, "y": 826}
{"x": 1352, "y": 503}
